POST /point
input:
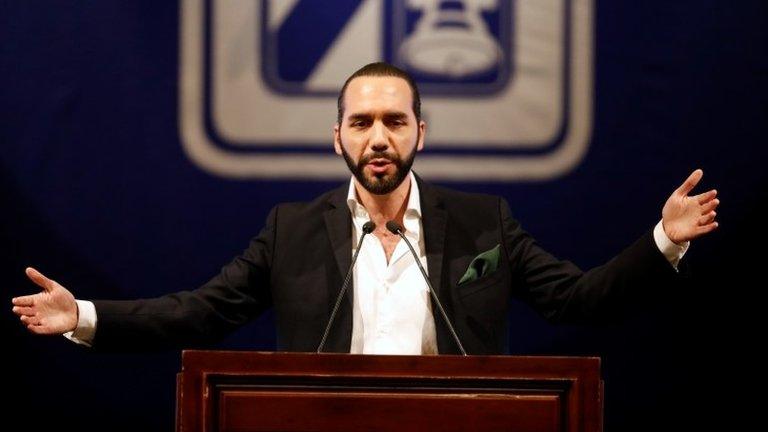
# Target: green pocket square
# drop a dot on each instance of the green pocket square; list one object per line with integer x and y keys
{"x": 483, "y": 264}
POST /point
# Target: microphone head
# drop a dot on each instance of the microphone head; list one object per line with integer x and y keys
{"x": 368, "y": 227}
{"x": 394, "y": 227}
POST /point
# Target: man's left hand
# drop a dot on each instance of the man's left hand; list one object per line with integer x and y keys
{"x": 686, "y": 217}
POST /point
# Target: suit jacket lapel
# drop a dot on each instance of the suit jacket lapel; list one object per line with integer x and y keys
{"x": 434, "y": 220}
{"x": 434, "y": 223}
{"x": 338, "y": 223}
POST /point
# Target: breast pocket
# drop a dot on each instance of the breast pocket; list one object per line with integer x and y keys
{"x": 482, "y": 283}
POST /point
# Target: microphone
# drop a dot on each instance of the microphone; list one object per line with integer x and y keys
{"x": 395, "y": 228}
{"x": 368, "y": 228}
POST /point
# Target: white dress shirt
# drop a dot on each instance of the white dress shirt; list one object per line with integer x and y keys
{"x": 391, "y": 313}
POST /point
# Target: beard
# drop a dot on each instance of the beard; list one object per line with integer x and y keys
{"x": 380, "y": 184}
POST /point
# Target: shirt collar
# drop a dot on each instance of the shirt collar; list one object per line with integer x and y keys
{"x": 413, "y": 207}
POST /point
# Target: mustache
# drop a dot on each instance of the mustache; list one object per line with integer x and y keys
{"x": 378, "y": 155}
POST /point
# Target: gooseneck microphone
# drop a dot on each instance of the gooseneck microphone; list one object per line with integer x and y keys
{"x": 368, "y": 228}
{"x": 395, "y": 228}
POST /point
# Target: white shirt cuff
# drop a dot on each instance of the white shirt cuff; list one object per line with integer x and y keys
{"x": 86, "y": 324}
{"x": 672, "y": 251}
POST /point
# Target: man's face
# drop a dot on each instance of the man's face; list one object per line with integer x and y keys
{"x": 379, "y": 135}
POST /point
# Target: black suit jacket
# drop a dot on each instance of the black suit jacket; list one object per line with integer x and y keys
{"x": 297, "y": 263}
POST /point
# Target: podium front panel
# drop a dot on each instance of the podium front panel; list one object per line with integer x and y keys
{"x": 248, "y": 391}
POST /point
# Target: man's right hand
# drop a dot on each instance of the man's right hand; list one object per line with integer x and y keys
{"x": 51, "y": 311}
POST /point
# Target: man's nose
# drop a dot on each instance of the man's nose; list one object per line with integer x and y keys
{"x": 379, "y": 140}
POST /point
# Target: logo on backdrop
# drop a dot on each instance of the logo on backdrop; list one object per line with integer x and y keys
{"x": 506, "y": 85}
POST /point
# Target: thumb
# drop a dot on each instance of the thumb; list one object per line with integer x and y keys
{"x": 39, "y": 279}
{"x": 690, "y": 182}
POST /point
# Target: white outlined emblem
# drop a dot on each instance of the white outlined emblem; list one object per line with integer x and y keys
{"x": 506, "y": 85}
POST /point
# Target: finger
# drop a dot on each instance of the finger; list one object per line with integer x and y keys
{"x": 30, "y": 320}
{"x": 705, "y": 197}
{"x": 28, "y": 300}
{"x": 23, "y": 310}
{"x": 707, "y": 218}
{"x": 708, "y": 207}
{"x": 39, "y": 279}
{"x": 38, "y": 329}
{"x": 690, "y": 182}
{"x": 706, "y": 229}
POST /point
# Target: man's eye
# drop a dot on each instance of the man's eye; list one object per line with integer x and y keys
{"x": 358, "y": 123}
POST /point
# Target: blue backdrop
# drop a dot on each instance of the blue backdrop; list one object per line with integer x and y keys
{"x": 97, "y": 192}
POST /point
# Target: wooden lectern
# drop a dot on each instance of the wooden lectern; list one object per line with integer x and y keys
{"x": 270, "y": 391}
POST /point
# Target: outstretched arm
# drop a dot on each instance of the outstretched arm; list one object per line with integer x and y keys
{"x": 52, "y": 311}
{"x": 563, "y": 293}
{"x": 687, "y": 217}
{"x": 183, "y": 319}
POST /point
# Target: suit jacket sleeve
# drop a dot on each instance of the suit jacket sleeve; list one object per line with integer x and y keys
{"x": 193, "y": 318}
{"x": 561, "y": 292}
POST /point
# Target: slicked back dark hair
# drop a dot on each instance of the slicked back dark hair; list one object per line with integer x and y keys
{"x": 381, "y": 69}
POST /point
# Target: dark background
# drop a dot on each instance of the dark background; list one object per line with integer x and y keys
{"x": 96, "y": 192}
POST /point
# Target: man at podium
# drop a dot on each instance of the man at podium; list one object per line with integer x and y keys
{"x": 434, "y": 276}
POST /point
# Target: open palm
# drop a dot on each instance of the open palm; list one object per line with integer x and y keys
{"x": 51, "y": 311}
{"x": 687, "y": 217}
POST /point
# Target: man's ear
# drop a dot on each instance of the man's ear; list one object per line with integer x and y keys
{"x": 422, "y": 133}
{"x": 337, "y": 139}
